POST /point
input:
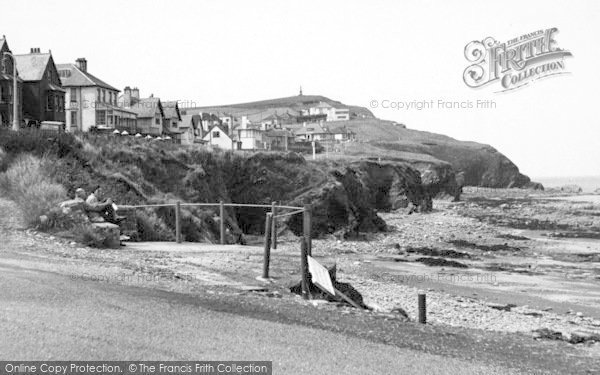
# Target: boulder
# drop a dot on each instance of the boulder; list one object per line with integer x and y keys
{"x": 107, "y": 234}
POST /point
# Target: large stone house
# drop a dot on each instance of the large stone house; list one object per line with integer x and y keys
{"x": 91, "y": 102}
{"x": 6, "y": 87}
{"x": 43, "y": 96}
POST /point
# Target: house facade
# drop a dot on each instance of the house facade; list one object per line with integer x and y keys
{"x": 218, "y": 137}
{"x": 172, "y": 117}
{"x": 149, "y": 112}
{"x": 43, "y": 95}
{"x": 91, "y": 103}
{"x": 6, "y": 87}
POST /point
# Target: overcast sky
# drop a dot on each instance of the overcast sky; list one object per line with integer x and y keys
{"x": 222, "y": 52}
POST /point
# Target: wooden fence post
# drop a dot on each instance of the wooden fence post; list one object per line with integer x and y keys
{"x": 305, "y": 283}
{"x": 267, "y": 256}
{"x": 274, "y": 228}
{"x": 307, "y": 229}
{"x": 422, "y": 309}
{"x": 178, "y": 221}
{"x": 222, "y": 223}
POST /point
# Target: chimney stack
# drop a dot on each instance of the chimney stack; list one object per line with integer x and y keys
{"x": 127, "y": 97}
{"x": 82, "y": 64}
{"x": 135, "y": 95}
{"x": 34, "y": 50}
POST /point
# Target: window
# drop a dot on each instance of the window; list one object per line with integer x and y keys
{"x": 98, "y": 96}
{"x": 56, "y": 103}
{"x": 157, "y": 121}
{"x": 49, "y": 102}
{"x": 100, "y": 117}
{"x": 103, "y": 96}
{"x": 73, "y": 94}
{"x": 216, "y": 134}
{"x": 73, "y": 118}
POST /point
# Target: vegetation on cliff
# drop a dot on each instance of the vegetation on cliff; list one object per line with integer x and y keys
{"x": 344, "y": 196}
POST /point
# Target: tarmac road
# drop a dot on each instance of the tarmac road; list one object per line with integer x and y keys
{"x": 49, "y": 316}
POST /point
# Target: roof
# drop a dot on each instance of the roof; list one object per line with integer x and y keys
{"x": 171, "y": 110}
{"x": 32, "y": 66}
{"x": 147, "y": 107}
{"x": 311, "y": 129}
{"x": 278, "y": 133}
{"x": 208, "y": 135}
{"x": 79, "y": 78}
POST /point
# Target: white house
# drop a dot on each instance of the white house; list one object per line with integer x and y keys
{"x": 218, "y": 137}
{"x": 90, "y": 102}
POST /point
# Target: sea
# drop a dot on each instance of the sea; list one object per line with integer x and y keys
{"x": 588, "y": 183}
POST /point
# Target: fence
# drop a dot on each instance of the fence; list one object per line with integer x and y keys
{"x": 270, "y": 230}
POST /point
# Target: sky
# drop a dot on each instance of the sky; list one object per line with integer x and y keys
{"x": 358, "y": 52}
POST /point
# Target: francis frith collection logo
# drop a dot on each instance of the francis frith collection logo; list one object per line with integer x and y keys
{"x": 515, "y": 63}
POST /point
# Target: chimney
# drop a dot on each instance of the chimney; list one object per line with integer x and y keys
{"x": 34, "y": 50}
{"x": 244, "y": 122}
{"x": 127, "y": 97}
{"x": 135, "y": 95}
{"x": 82, "y": 64}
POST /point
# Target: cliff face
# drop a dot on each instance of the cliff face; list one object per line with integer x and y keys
{"x": 344, "y": 196}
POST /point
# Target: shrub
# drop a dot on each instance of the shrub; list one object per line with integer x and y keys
{"x": 152, "y": 228}
{"x": 28, "y": 184}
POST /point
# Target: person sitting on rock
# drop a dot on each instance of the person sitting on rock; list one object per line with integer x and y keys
{"x": 77, "y": 203}
{"x": 98, "y": 211}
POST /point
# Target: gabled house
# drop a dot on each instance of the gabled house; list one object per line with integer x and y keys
{"x": 91, "y": 103}
{"x": 149, "y": 111}
{"x": 185, "y": 133}
{"x": 172, "y": 116}
{"x": 6, "y": 87}
{"x": 218, "y": 137}
{"x": 43, "y": 95}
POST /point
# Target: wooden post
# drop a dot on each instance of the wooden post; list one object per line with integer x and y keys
{"x": 304, "y": 269}
{"x": 267, "y": 258}
{"x": 422, "y": 309}
{"x": 274, "y": 228}
{"x": 307, "y": 229}
{"x": 178, "y": 222}
{"x": 222, "y": 223}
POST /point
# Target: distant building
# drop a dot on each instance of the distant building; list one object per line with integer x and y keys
{"x": 149, "y": 111}
{"x": 172, "y": 117}
{"x": 90, "y": 102}
{"x": 6, "y": 87}
{"x": 43, "y": 95}
{"x": 185, "y": 133}
{"x": 278, "y": 139}
{"x": 218, "y": 137}
{"x": 249, "y": 136}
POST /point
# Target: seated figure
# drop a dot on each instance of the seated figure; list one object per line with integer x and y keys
{"x": 101, "y": 211}
{"x": 77, "y": 203}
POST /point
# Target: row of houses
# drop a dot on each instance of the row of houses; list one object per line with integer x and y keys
{"x": 70, "y": 95}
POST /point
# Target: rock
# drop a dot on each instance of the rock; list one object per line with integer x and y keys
{"x": 502, "y": 307}
{"x": 545, "y": 333}
{"x": 577, "y": 337}
{"x": 106, "y": 234}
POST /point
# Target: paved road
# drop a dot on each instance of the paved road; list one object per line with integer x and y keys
{"x": 46, "y": 316}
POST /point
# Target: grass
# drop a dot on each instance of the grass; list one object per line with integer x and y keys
{"x": 28, "y": 183}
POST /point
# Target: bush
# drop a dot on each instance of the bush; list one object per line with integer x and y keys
{"x": 152, "y": 228}
{"x": 28, "y": 184}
